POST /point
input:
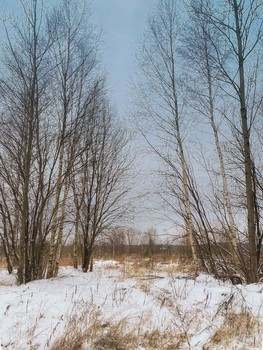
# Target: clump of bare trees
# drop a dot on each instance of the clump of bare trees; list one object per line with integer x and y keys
{"x": 207, "y": 70}
{"x": 63, "y": 161}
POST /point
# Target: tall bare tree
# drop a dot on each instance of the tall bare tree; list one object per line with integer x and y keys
{"x": 102, "y": 184}
{"x": 76, "y": 83}
{"x": 204, "y": 86}
{"x": 160, "y": 100}
{"x": 240, "y": 24}
{"x": 26, "y": 137}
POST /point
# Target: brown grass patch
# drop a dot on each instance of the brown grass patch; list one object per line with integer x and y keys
{"x": 236, "y": 326}
{"x": 153, "y": 267}
{"x": 116, "y": 337}
{"x": 2, "y": 261}
{"x": 66, "y": 261}
{"x": 163, "y": 340}
{"x": 78, "y": 330}
{"x": 90, "y": 331}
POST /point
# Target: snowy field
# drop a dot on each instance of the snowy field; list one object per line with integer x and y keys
{"x": 120, "y": 307}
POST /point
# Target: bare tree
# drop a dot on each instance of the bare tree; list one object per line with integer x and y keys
{"x": 204, "y": 87}
{"x": 26, "y": 139}
{"x": 159, "y": 99}
{"x": 240, "y": 25}
{"x": 101, "y": 187}
{"x": 76, "y": 83}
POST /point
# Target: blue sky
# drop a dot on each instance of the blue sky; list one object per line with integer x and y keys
{"x": 123, "y": 23}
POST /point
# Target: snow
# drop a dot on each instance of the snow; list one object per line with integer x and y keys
{"x": 33, "y": 316}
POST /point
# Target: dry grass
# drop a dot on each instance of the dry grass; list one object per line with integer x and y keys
{"x": 116, "y": 337}
{"x": 157, "y": 340}
{"x": 152, "y": 267}
{"x": 144, "y": 286}
{"x": 2, "y": 262}
{"x": 236, "y": 326}
{"x": 141, "y": 267}
{"x": 79, "y": 330}
{"x": 90, "y": 331}
{"x": 66, "y": 260}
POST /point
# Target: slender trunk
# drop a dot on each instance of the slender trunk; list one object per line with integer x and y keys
{"x": 252, "y": 271}
{"x": 206, "y": 228}
{"x": 15, "y": 229}
{"x": 23, "y": 270}
{"x": 86, "y": 237}
{"x": 232, "y": 225}
{"x": 61, "y": 229}
{"x": 76, "y": 238}
{"x": 189, "y": 220}
{"x": 174, "y": 104}
{"x": 5, "y": 242}
{"x": 78, "y": 205}
{"x": 31, "y": 114}
{"x": 89, "y": 253}
{"x": 52, "y": 249}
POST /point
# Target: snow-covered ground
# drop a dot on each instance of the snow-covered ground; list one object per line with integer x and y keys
{"x": 117, "y": 307}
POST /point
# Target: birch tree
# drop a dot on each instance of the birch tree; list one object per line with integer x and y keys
{"x": 204, "y": 86}
{"x": 159, "y": 99}
{"x": 76, "y": 83}
{"x": 240, "y": 24}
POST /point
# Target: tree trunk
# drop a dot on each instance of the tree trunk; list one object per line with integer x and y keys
{"x": 61, "y": 229}
{"x": 233, "y": 228}
{"x": 76, "y": 238}
{"x": 52, "y": 249}
{"x": 189, "y": 220}
{"x": 252, "y": 271}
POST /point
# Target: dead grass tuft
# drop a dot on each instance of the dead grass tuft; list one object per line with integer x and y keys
{"x": 2, "y": 261}
{"x": 236, "y": 326}
{"x": 116, "y": 338}
{"x": 144, "y": 286}
{"x": 90, "y": 331}
{"x": 79, "y": 330}
{"x": 163, "y": 340}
